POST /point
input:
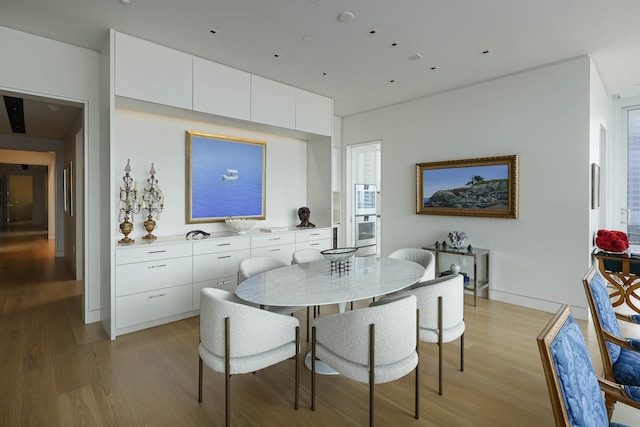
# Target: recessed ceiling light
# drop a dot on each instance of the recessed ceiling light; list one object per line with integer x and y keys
{"x": 373, "y": 31}
{"x": 324, "y": 74}
{"x": 345, "y": 16}
{"x": 275, "y": 55}
{"x": 485, "y": 52}
{"x": 212, "y": 31}
{"x": 392, "y": 81}
{"x": 415, "y": 57}
{"x": 433, "y": 68}
{"x": 394, "y": 44}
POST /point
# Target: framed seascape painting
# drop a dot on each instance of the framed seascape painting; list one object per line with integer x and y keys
{"x": 225, "y": 178}
{"x": 484, "y": 187}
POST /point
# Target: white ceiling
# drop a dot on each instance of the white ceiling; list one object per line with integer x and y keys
{"x": 310, "y": 41}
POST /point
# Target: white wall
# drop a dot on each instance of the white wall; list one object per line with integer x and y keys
{"x": 45, "y": 67}
{"x": 145, "y": 137}
{"x": 542, "y": 116}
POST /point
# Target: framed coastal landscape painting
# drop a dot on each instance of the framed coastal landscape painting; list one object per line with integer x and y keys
{"x": 225, "y": 178}
{"x": 483, "y": 187}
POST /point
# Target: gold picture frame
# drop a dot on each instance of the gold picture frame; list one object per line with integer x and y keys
{"x": 226, "y": 178}
{"x": 482, "y": 187}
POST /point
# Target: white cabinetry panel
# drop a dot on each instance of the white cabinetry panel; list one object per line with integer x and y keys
{"x": 211, "y": 266}
{"x": 272, "y": 239}
{"x": 221, "y": 90}
{"x": 314, "y": 234}
{"x": 273, "y": 103}
{"x": 282, "y": 252}
{"x": 314, "y": 113}
{"x": 148, "y": 306}
{"x": 146, "y": 276}
{"x": 151, "y": 72}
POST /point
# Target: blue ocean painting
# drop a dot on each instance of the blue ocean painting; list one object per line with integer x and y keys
{"x": 434, "y": 180}
{"x": 226, "y": 178}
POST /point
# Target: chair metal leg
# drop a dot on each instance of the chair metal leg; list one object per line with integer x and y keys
{"x": 417, "y": 403}
{"x": 297, "y": 387}
{"x": 440, "y": 345}
{"x": 308, "y": 323}
{"x": 313, "y": 368}
{"x": 199, "y": 379}
{"x": 372, "y": 364}
{"x": 227, "y": 371}
{"x": 462, "y": 352}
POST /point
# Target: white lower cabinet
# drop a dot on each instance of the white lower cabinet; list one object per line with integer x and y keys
{"x": 153, "y": 305}
{"x": 160, "y": 282}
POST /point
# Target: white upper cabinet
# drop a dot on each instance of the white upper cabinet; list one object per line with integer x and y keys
{"x": 273, "y": 103}
{"x": 221, "y": 90}
{"x": 314, "y": 113}
{"x": 151, "y": 72}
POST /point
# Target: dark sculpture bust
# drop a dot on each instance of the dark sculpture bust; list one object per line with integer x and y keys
{"x": 304, "y": 213}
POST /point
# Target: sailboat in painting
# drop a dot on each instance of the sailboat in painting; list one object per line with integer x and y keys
{"x": 231, "y": 175}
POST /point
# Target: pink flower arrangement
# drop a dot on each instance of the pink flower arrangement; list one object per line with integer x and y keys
{"x": 612, "y": 240}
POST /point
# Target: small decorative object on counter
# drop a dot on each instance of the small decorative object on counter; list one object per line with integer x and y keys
{"x": 240, "y": 225}
{"x": 128, "y": 193}
{"x": 455, "y": 268}
{"x": 304, "y": 213}
{"x": 469, "y": 248}
{"x": 437, "y": 245}
{"x": 612, "y": 241}
{"x": 457, "y": 238}
{"x": 151, "y": 201}
{"x": 444, "y": 244}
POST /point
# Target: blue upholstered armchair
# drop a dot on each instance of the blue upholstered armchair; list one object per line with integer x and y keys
{"x": 620, "y": 356}
{"x": 574, "y": 389}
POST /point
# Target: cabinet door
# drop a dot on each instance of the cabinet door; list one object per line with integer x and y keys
{"x": 273, "y": 103}
{"x": 314, "y": 234}
{"x": 314, "y": 113}
{"x": 320, "y": 245}
{"x": 154, "y": 73}
{"x": 211, "y": 266}
{"x": 282, "y": 252}
{"x": 227, "y": 283}
{"x": 221, "y": 90}
{"x": 152, "y": 275}
{"x": 154, "y": 305}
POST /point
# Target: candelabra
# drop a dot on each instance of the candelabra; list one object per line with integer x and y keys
{"x": 128, "y": 194}
{"x": 152, "y": 202}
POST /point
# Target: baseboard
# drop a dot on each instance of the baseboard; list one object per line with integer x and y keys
{"x": 536, "y": 304}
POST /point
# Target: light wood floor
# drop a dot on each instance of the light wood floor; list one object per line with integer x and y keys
{"x": 56, "y": 371}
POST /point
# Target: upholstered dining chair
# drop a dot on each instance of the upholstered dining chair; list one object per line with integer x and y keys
{"x": 574, "y": 389}
{"x": 249, "y": 267}
{"x": 422, "y": 256}
{"x": 371, "y": 345}
{"x": 236, "y": 338}
{"x": 301, "y": 256}
{"x": 441, "y": 304}
{"x": 620, "y": 356}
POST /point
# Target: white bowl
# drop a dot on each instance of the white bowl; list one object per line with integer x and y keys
{"x": 240, "y": 225}
{"x": 339, "y": 254}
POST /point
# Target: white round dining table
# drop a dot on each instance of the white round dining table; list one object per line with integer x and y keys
{"x": 314, "y": 283}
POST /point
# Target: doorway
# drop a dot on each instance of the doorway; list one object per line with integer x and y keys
{"x": 364, "y": 161}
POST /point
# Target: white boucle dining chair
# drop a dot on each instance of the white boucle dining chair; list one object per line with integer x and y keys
{"x": 441, "y": 305}
{"x": 236, "y": 338}
{"x": 372, "y": 345}
{"x": 421, "y": 256}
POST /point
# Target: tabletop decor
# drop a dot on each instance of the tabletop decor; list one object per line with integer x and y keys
{"x": 457, "y": 238}
{"x": 240, "y": 225}
{"x": 225, "y": 178}
{"x": 612, "y": 241}
{"x": 484, "y": 187}
{"x": 339, "y": 258}
{"x": 128, "y": 194}
{"x": 151, "y": 201}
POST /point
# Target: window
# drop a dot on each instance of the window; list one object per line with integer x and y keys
{"x": 633, "y": 172}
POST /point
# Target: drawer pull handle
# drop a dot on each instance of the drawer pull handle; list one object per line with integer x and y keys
{"x": 223, "y": 257}
{"x": 157, "y": 252}
{"x": 275, "y": 238}
{"x": 315, "y": 234}
{"x": 157, "y": 295}
{"x": 315, "y": 244}
{"x": 274, "y": 250}
{"x": 224, "y": 244}
{"x": 224, "y": 282}
{"x": 157, "y": 266}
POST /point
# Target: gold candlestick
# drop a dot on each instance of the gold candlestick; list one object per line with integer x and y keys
{"x": 128, "y": 194}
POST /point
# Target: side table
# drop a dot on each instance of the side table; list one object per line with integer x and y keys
{"x": 622, "y": 271}
{"x": 476, "y": 254}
